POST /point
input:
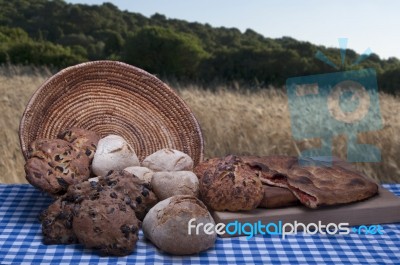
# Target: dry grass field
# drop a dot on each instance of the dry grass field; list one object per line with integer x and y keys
{"x": 232, "y": 122}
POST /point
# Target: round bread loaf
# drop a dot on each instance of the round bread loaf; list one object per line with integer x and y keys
{"x": 232, "y": 186}
{"x": 168, "y": 184}
{"x": 107, "y": 224}
{"x": 54, "y": 164}
{"x": 113, "y": 153}
{"x": 166, "y": 225}
{"x": 168, "y": 160}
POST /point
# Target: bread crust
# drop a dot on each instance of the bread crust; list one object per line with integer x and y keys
{"x": 82, "y": 140}
{"x": 315, "y": 184}
{"x": 208, "y": 165}
{"x": 136, "y": 193}
{"x": 107, "y": 224}
{"x": 231, "y": 185}
{"x": 168, "y": 159}
{"x": 54, "y": 164}
{"x": 166, "y": 225}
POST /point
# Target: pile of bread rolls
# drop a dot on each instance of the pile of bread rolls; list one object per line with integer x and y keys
{"x": 103, "y": 194}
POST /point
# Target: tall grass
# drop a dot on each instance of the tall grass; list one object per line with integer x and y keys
{"x": 232, "y": 121}
{"x": 259, "y": 123}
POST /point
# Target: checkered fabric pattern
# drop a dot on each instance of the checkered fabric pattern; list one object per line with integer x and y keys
{"x": 21, "y": 242}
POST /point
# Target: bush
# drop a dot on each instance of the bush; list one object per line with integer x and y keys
{"x": 41, "y": 53}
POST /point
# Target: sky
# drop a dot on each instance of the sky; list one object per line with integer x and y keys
{"x": 366, "y": 24}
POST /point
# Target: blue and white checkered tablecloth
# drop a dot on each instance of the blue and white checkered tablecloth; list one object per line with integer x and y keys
{"x": 21, "y": 242}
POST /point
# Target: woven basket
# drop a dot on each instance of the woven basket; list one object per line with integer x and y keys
{"x": 112, "y": 98}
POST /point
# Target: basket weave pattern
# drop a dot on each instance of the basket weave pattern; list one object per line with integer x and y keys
{"x": 113, "y": 98}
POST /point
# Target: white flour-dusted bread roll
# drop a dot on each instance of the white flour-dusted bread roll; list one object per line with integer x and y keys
{"x": 168, "y": 160}
{"x": 166, "y": 225}
{"x": 142, "y": 173}
{"x": 167, "y": 184}
{"x": 113, "y": 153}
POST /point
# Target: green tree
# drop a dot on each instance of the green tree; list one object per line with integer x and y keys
{"x": 165, "y": 52}
{"x": 389, "y": 81}
{"x": 113, "y": 41}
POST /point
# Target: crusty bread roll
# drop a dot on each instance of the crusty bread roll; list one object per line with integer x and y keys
{"x": 113, "y": 153}
{"x": 232, "y": 186}
{"x": 167, "y": 184}
{"x": 166, "y": 225}
{"x": 105, "y": 223}
{"x": 54, "y": 164}
{"x": 168, "y": 160}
